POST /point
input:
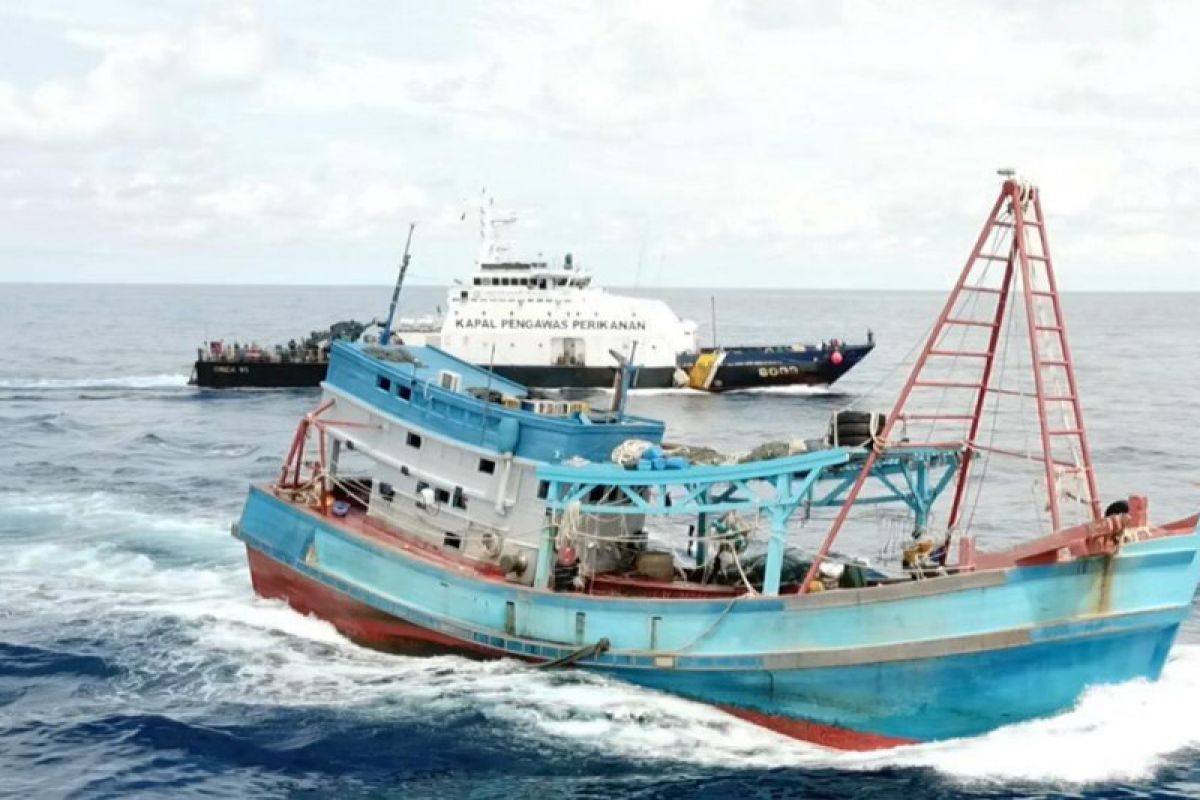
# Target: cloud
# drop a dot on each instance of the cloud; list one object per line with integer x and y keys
{"x": 134, "y": 73}
{"x": 180, "y": 205}
{"x": 230, "y": 50}
{"x": 858, "y": 135}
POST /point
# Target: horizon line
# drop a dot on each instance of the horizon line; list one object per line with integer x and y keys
{"x": 906, "y": 290}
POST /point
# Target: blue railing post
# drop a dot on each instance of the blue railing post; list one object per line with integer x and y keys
{"x": 923, "y": 499}
{"x": 775, "y": 553}
{"x": 775, "y": 544}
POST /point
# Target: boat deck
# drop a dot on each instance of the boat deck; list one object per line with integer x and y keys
{"x": 379, "y": 532}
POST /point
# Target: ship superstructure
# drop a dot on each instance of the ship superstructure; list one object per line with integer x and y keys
{"x": 547, "y": 325}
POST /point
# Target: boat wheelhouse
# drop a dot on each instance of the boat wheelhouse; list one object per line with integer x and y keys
{"x": 427, "y": 505}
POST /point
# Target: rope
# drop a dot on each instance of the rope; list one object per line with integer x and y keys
{"x": 738, "y": 563}
{"x": 578, "y": 655}
{"x": 712, "y": 626}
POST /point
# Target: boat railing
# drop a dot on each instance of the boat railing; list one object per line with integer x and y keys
{"x": 279, "y": 354}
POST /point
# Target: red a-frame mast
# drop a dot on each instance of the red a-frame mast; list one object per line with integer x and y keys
{"x": 1005, "y": 246}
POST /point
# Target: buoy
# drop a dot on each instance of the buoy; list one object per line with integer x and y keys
{"x": 836, "y": 358}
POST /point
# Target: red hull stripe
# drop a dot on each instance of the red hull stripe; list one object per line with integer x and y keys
{"x": 371, "y": 627}
{"x": 825, "y": 735}
{"x": 359, "y": 622}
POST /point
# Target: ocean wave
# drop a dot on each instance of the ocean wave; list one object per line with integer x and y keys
{"x": 160, "y": 381}
{"x": 204, "y": 449}
{"x": 187, "y": 635}
{"x": 45, "y": 423}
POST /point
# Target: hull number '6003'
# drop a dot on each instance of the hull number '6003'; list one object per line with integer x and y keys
{"x": 775, "y": 372}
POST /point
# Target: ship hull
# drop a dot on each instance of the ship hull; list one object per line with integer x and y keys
{"x": 258, "y": 374}
{"x": 739, "y": 368}
{"x": 584, "y": 377}
{"x": 844, "y": 670}
{"x": 295, "y": 375}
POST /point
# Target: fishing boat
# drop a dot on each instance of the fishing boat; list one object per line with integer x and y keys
{"x": 429, "y": 506}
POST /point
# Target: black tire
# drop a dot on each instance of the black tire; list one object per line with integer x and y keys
{"x": 855, "y": 417}
{"x": 865, "y": 429}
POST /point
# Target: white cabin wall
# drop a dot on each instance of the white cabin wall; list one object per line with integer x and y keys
{"x": 444, "y": 464}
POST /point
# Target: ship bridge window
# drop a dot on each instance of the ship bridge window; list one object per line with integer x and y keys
{"x": 403, "y": 392}
{"x": 487, "y": 466}
{"x": 478, "y": 282}
{"x": 384, "y": 383}
{"x": 413, "y": 440}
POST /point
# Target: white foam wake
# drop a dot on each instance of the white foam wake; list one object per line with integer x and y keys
{"x": 160, "y": 381}
{"x": 1115, "y": 733}
{"x": 188, "y": 632}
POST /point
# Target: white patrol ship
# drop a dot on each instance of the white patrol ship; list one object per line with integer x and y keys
{"x": 547, "y": 326}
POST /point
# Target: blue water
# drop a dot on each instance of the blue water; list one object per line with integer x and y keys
{"x": 135, "y": 660}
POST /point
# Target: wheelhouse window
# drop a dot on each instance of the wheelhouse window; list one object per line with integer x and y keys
{"x": 487, "y": 466}
{"x": 413, "y": 440}
{"x": 384, "y": 383}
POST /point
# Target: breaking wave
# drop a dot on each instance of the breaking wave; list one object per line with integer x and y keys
{"x": 203, "y": 449}
{"x": 161, "y": 381}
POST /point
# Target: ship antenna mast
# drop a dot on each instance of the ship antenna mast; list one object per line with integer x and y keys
{"x": 387, "y": 326}
{"x": 490, "y": 246}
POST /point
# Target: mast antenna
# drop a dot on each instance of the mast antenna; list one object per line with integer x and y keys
{"x": 387, "y": 326}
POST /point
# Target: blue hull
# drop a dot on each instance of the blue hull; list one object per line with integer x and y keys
{"x": 920, "y": 661}
{"x": 935, "y": 698}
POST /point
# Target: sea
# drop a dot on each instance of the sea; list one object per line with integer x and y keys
{"x": 136, "y": 661}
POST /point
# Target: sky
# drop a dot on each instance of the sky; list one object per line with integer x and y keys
{"x": 728, "y": 144}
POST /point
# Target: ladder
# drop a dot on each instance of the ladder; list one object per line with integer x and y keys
{"x": 1011, "y": 257}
